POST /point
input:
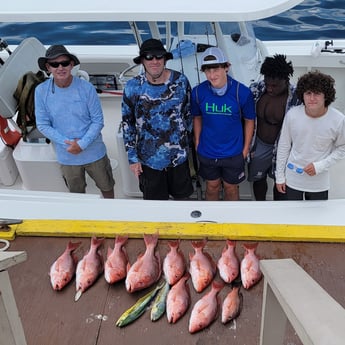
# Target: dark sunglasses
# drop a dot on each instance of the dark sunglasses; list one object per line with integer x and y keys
{"x": 150, "y": 57}
{"x": 56, "y": 64}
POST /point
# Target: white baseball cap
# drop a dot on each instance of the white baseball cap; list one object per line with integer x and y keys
{"x": 213, "y": 56}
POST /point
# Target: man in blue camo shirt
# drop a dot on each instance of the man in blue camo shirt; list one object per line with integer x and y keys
{"x": 157, "y": 125}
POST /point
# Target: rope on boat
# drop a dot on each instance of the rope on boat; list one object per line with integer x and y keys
{"x": 6, "y": 245}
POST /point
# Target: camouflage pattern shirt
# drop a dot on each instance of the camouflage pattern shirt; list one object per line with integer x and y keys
{"x": 156, "y": 121}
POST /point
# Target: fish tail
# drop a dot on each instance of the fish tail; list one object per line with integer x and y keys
{"x": 217, "y": 285}
{"x": 96, "y": 242}
{"x": 231, "y": 243}
{"x": 174, "y": 243}
{"x": 199, "y": 244}
{"x": 73, "y": 246}
{"x": 151, "y": 240}
{"x": 186, "y": 276}
{"x": 121, "y": 239}
{"x": 250, "y": 246}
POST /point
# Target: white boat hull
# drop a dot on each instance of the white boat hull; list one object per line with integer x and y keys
{"x": 113, "y": 61}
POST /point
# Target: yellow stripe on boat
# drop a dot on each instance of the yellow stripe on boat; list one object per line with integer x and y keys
{"x": 174, "y": 230}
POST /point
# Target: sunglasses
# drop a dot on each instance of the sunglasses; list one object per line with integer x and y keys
{"x": 56, "y": 64}
{"x": 150, "y": 57}
{"x": 296, "y": 169}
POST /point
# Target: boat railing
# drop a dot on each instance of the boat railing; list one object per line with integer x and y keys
{"x": 290, "y": 294}
{"x": 12, "y": 331}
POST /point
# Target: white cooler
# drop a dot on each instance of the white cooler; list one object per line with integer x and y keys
{"x": 38, "y": 167}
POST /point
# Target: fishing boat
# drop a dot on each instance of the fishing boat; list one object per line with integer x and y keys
{"x": 37, "y": 212}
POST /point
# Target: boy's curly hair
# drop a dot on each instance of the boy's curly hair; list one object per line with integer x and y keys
{"x": 277, "y": 67}
{"x": 316, "y": 81}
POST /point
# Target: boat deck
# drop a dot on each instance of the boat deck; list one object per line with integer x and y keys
{"x": 51, "y": 317}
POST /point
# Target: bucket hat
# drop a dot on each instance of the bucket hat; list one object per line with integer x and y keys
{"x": 52, "y": 53}
{"x": 213, "y": 56}
{"x": 154, "y": 47}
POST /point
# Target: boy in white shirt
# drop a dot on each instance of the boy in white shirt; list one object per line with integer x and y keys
{"x": 312, "y": 140}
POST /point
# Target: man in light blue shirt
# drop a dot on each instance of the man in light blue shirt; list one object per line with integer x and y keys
{"x": 69, "y": 113}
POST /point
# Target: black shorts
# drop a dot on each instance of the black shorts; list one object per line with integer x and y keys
{"x": 230, "y": 170}
{"x": 160, "y": 184}
{"x": 293, "y": 194}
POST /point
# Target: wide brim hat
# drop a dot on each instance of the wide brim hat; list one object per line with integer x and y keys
{"x": 154, "y": 47}
{"x": 52, "y": 53}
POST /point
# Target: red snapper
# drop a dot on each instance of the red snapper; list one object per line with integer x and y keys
{"x": 147, "y": 269}
{"x": 115, "y": 267}
{"x": 63, "y": 269}
{"x": 250, "y": 266}
{"x": 202, "y": 267}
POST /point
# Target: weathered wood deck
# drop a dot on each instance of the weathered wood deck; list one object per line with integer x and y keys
{"x": 53, "y": 318}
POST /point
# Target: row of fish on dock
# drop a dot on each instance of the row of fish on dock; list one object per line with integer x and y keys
{"x": 171, "y": 296}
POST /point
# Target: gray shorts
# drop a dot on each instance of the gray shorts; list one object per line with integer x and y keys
{"x": 100, "y": 171}
{"x": 260, "y": 165}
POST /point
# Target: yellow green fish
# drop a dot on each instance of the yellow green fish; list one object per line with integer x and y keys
{"x": 159, "y": 304}
{"x": 138, "y": 308}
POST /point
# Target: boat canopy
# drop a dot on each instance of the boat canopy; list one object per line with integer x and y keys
{"x": 133, "y": 10}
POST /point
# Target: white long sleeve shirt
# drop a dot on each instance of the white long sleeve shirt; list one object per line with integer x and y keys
{"x": 305, "y": 140}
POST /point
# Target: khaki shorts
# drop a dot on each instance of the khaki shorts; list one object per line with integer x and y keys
{"x": 100, "y": 171}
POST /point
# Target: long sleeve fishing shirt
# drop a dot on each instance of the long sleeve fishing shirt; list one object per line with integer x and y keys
{"x": 156, "y": 121}
{"x": 71, "y": 113}
{"x": 305, "y": 140}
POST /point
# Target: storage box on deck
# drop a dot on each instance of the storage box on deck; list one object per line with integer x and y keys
{"x": 8, "y": 168}
{"x": 38, "y": 167}
{"x": 40, "y": 170}
{"x": 130, "y": 185}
